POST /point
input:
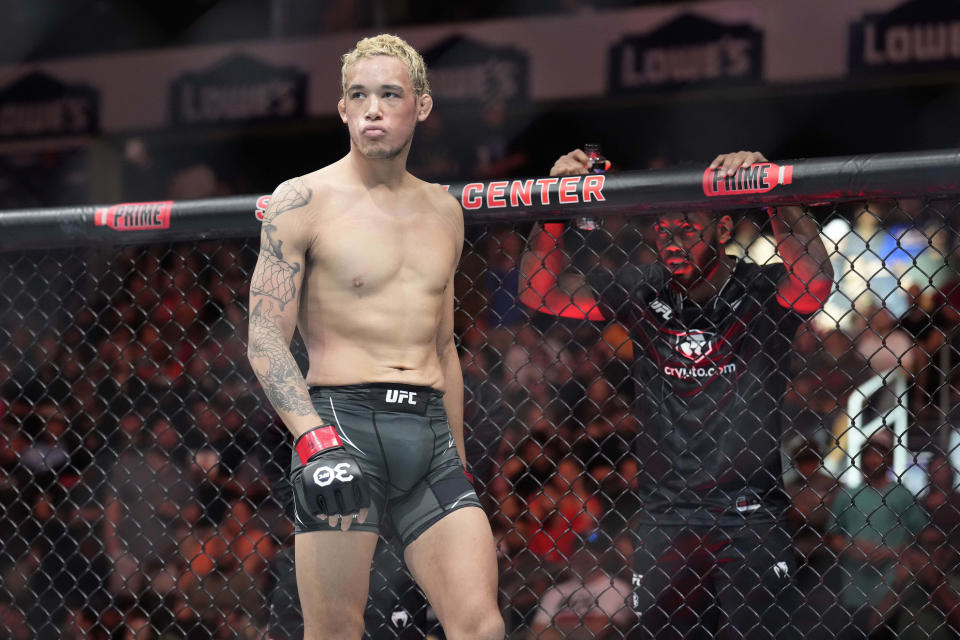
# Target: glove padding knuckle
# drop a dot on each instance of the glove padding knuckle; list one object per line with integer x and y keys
{"x": 334, "y": 483}
{"x": 340, "y": 502}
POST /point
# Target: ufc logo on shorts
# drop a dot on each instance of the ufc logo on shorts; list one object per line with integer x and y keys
{"x": 323, "y": 476}
{"x": 396, "y": 396}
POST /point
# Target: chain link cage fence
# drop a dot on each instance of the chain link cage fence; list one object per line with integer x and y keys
{"x": 144, "y": 491}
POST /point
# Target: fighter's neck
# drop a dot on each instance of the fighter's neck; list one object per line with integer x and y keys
{"x": 376, "y": 172}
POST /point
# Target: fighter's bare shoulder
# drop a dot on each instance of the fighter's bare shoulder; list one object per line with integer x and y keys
{"x": 295, "y": 193}
{"x": 445, "y": 198}
{"x": 444, "y": 202}
{"x": 306, "y": 195}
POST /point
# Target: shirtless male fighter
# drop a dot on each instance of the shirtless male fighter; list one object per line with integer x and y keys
{"x": 360, "y": 256}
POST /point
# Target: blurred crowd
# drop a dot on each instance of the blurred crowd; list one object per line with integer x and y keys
{"x": 135, "y": 450}
{"x": 142, "y": 472}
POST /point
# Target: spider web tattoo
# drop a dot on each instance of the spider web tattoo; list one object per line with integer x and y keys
{"x": 292, "y": 194}
{"x": 274, "y": 276}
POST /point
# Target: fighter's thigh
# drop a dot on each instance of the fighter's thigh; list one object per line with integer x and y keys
{"x": 662, "y": 571}
{"x": 333, "y": 579}
{"x": 442, "y": 491}
{"x": 755, "y": 584}
{"x": 455, "y": 563}
{"x": 355, "y": 427}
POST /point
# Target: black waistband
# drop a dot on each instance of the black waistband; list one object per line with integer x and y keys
{"x": 348, "y": 388}
{"x": 385, "y": 396}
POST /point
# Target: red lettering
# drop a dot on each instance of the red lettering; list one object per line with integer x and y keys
{"x": 567, "y": 193}
{"x": 495, "y": 194}
{"x": 521, "y": 192}
{"x": 469, "y": 200}
{"x": 544, "y": 184}
{"x": 593, "y": 188}
{"x": 262, "y": 203}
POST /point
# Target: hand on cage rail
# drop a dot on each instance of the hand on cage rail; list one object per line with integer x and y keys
{"x": 331, "y": 481}
{"x": 546, "y": 284}
{"x": 575, "y": 163}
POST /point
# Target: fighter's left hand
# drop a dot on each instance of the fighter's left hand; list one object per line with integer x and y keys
{"x": 729, "y": 163}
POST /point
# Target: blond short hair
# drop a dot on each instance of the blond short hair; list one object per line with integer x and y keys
{"x": 386, "y": 44}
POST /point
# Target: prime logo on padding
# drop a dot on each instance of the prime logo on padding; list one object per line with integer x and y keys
{"x": 757, "y": 178}
{"x": 134, "y": 216}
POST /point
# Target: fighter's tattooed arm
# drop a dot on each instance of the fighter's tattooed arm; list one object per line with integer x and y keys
{"x": 274, "y": 365}
{"x": 275, "y": 302}
{"x": 275, "y": 276}
{"x": 290, "y": 195}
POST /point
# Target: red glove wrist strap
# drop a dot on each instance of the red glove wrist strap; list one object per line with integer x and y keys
{"x": 316, "y": 440}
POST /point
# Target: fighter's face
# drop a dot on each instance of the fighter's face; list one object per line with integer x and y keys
{"x": 380, "y": 107}
{"x": 689, "y": 243}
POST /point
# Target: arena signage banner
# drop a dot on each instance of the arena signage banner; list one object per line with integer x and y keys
{"x": 920, "y": 35}
{"x": 688, "y": 51}
{"x": 499, "y": 194}
{"x": 464, "y": 71}
{"x": 238, "y": 89}
{"x": 513, "y": 61}
{"x": 39, "y": 105}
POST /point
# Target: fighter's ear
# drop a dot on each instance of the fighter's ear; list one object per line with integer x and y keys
{"x": 424, "y": 106}
{"x": 724, "y": 229}
{"x": 342, "y": 110}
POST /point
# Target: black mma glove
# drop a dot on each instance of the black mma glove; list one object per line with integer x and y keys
{"x": 331, "y": 479}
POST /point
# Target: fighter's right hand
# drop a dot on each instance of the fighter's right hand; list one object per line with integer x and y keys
{"x": 572, "y": 164}
{"x": 333, "y": 485}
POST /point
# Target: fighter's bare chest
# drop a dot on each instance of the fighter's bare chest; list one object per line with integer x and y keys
{"x": 365, "y": 251}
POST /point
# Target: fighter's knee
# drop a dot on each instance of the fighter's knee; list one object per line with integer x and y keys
{"x": 331, "y": 633}
{"x": 340, "y": 625}
{"x": 478, "y": 626}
